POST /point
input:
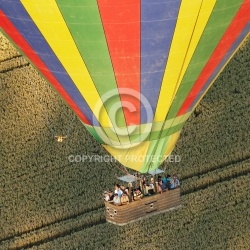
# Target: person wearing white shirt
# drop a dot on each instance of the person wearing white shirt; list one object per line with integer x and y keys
{"x": 118, "y": 190}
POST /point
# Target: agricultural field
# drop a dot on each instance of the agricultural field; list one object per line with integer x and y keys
{"x": 48, "y": 202}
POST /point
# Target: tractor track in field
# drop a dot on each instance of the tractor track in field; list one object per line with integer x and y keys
{"x": 212, "y": 183}
{"x": 10, "y": 58}
{"x": 221, "y": 166}
{"x": 59, "y": 235}
{"x": 66, "y": 218}
{"x": 13, "y": 63}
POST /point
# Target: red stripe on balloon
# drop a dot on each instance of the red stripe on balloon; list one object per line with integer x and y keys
{"x": 235, "y": 28}
{"x": 123, "y": 39}
{"x": 18, "y": 39}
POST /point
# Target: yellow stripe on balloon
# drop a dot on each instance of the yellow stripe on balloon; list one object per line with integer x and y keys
{"x": 191, "y": 22}
{"x": 171, "y": 144}
{"x": 140, "y": 157}
{"x": 51, "y": 24}
{"x": 132, "y": 157}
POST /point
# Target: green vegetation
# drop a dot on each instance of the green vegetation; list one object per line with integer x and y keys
{"x": 48, "y": 202}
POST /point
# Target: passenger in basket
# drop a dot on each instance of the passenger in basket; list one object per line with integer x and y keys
{"x": 118, "y": 190}
{"x": 111, "y": 196}
{"x": 169, "y": 181}
{"x": 175, "y": 182}
{"x": 146, "y": 188}
{"x": 106, "y": 196}
{"x": 117, "y": 200}
{"x": 137, "y": 195}
{"x": 124, "y": 199}
{"x": 158, "y": 187}
{"x": 151, "y": 189}
{"x": 159, "y": 178}
{"x": 126, "y": 191}
{"x": 122, "y": 187}
{"x": 161, "y": 187}
{"x": 164, "y": 180}
{"x": 152, "y": 182}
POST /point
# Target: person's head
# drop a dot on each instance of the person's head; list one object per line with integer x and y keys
{"x": 117, "y": 186}
{"x": 168, "y": 175}
{"x": 115, "y": 195}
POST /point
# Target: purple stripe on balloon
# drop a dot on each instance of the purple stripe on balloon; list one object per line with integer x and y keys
{"x": 22, "y": 21}
{"x": 158, "y": 22}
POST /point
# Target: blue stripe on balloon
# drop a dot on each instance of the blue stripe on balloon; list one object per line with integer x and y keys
{"x": 22, "y": 21}
{"x": 158, "y": 20}
{"x": 229, "y": 53}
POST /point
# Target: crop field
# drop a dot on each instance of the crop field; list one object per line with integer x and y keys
{"x": 49, "y": 202}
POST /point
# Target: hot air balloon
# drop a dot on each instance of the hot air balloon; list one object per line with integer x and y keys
{"x": 133, "y": 71}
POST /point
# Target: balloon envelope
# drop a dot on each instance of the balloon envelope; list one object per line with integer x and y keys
{"x": 133, "y": 71}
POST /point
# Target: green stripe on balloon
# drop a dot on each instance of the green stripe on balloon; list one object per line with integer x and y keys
{"x": 92, "y": 131}
{"x": 110, "y": 138}
{"x": 154, "y": 154}
{"x": 171, "y": 126}
{"x": 84, "y": 23}
{"x": 216, "y": 26}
